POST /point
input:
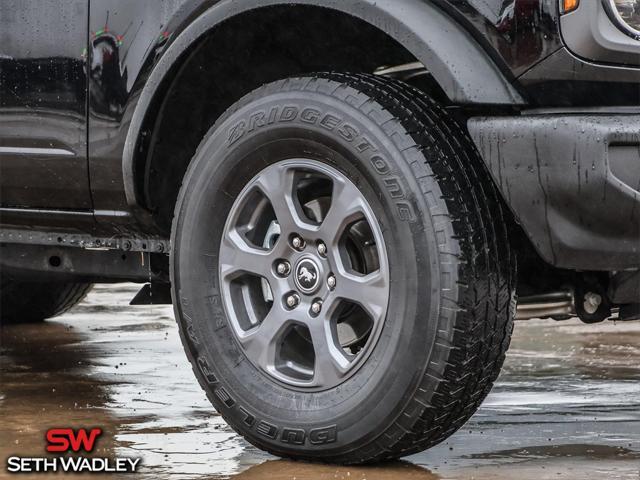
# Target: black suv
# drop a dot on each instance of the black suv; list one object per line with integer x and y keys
{"x": 341, "y": 198}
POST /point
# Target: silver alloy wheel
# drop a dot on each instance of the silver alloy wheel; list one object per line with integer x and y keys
{"x": 312, "y": 327}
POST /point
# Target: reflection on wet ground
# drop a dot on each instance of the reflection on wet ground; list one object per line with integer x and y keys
{"x": 566, "y": 406}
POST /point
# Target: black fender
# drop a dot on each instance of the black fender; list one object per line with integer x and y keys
{"x": 464, "y": 71}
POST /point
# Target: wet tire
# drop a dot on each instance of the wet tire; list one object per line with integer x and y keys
{"x": 28, "y": 302}
{"x": 451, "y": 273}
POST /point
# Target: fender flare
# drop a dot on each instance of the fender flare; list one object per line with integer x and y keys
{"x": 458, "y": 63}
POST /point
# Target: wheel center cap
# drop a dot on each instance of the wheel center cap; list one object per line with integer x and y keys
{"x": 307, "y": 275}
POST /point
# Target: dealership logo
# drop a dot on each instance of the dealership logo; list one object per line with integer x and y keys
{"x": 65, "y": 440}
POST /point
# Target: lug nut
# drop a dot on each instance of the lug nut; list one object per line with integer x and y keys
{"x": 331, "y": 282}
{"x": 298, "y": 243}
{"x": 293, "y": 300}
{"x": 322, "y": 249}
{"x": 283, "y": 269}
{"x": 316, "y": 307}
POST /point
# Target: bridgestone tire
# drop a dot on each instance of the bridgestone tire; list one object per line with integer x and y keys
{"x": 451, "y": 303}
{"x": 28, "y": 302}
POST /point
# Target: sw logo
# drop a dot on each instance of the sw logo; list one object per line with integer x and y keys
{"x": 64, "y": 440}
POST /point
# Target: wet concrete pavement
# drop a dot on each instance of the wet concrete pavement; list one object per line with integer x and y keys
{"x": 566, "y": 406}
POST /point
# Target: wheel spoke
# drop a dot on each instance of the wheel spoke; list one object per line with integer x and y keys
{"x": 368, "y": 291}
{"x": 331, "y": 364}
{"x": 237, "y": 257}
{"x": 277, "y": 184}
{"x": 259, "y": 343}
{"x": 346, "y": 207}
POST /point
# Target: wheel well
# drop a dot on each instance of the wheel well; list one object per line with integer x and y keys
{"x": 233, "y": 59}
